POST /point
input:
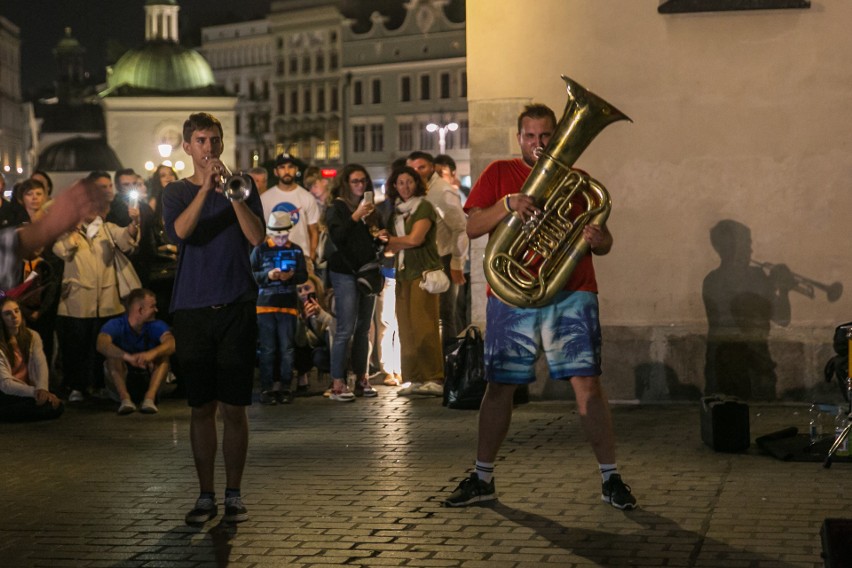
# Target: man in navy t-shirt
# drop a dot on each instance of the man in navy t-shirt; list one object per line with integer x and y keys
{"x": 214, "y": 311}
{"x": 136, "y": 342}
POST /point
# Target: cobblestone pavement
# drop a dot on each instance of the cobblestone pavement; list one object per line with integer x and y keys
{"x": 331, "y": 484}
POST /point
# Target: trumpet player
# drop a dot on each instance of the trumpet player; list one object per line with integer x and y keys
{"x": 213, "y": 303}
{"x": 567, "y": 331}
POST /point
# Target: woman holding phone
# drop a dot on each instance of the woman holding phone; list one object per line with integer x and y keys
{"x": 351, "y": 222}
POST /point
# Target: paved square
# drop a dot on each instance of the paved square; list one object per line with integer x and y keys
{"x": 330, "y": 484}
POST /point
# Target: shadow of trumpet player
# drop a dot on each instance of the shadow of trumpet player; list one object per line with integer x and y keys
{"x": 742, "y": 299}
{"x": 781, "y": 275}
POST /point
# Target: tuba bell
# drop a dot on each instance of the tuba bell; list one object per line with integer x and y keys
{"x": 527, "y": 263}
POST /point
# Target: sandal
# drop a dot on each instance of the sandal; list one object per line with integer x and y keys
{"x": 392, "y": 380}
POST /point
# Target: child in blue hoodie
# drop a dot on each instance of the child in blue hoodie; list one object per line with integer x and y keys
{"x": 279, "y": 267}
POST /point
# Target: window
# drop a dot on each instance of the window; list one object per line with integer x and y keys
{"x": 405, "y": 89}
{"x": 320, "y": 152}
{"x": 335, "y": 99}
{"x": 306, "y": 64}
{"x": 427, "y": 139}
{"x": 320, "y": 63}
{"x": 252, "y": 90}
{"x": 294, "y": 65}
{"x": 359, "y": 138}
{"x": 237, "y": 124}
{"x": 307, "y": 99}
{"x": 377, "y": 91}
{"x": 320, "y": 99}
{"x": 357, "y": 93}
{"x": 377, "y": 137}
{"x": 294, "y": 102}
{"x": 334, "y": 150}
{"x": 406, "y": 137}
{"x": 445, "y": 85}
{"x": 464, "y": 132}
{"x": 425, "y": 88}
{"x": 266, "y": 90}
{"x": 281, "y": 103}
{"x": 332, "y": 63}
{"x": 279, "y": 68}
{"x": 463, "y": 85}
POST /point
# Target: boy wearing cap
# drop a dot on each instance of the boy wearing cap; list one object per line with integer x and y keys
{"x": 295, "y": 200}
{"x": 279, "y": 267}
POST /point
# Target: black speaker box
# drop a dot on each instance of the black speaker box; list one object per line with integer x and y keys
{"x": 836, "y": 535}
{"x": 724, "y": 423}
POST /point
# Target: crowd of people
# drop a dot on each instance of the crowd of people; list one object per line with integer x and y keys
{"x": 305, "y": 273}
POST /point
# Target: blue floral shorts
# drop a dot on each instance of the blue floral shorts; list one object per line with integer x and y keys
{"x": 567, "y": 331}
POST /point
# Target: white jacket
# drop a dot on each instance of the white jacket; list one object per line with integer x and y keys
{"x": 451, "y": 234}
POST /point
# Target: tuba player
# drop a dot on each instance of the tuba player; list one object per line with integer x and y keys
{"x": 514, "y": 336}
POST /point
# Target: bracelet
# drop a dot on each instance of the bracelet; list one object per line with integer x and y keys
{"x": 506, "y": 204}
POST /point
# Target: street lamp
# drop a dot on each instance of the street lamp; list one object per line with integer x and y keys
{"x": 442, "y": 133}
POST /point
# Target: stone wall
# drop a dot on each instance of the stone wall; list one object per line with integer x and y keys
{"x": 741, "y": 130}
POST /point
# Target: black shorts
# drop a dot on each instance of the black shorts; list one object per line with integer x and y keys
{"x": 216, "y": 350}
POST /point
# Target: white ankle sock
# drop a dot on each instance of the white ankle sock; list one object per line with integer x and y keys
{"x": 484, "y": 471}
{"x": 607, "y": 469}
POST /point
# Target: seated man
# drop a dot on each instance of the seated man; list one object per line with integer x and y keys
{"x": 135, "y": 342}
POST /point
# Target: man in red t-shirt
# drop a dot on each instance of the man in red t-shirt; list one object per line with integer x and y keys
{"x": 567, "y": 330}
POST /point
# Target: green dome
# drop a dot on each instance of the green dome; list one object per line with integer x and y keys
{"x": 161, "y": 66}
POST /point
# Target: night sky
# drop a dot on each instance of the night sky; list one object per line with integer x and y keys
{"x": 107, "y": 28}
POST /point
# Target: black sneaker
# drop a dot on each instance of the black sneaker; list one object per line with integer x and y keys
{"x": 617, "y": 493}
{"x": 471, "y": 490}
{"x": 235, "y": 511}
{"x": 268, "y": 398}
{"x": 204, "y": 510}
{"x": 283, "y": 397}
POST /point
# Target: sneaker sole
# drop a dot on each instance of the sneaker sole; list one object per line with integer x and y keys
{"x": 200, "y": 519}
{"x": 238, "y": 518}
{"x": 339, "y": 399}
{"x": 626, "y": 506}
{"x": 472, "y": 500}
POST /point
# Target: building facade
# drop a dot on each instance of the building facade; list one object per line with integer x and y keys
{"x": 14, "y": 159}
{"x": 241, "y": 57}
{"x": 312, "y": 85}
{"x": 400, "y": 80}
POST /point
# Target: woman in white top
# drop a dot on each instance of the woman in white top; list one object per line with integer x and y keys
{"x": 24, "y": 393}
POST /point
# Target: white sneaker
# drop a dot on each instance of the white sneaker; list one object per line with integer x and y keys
{"x": 408, "y": 389}
{"x": 76, "y": 396}
{"x": 126, "y": 407}
{"x": 431, "y": 388}
{"x": 148, "y": 407}
{"x": 343, "y": 396}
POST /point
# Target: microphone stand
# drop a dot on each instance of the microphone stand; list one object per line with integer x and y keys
{"x": 844, "y": 434}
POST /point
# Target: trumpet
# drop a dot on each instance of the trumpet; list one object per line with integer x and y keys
{"x": 235, "y": 187}
{"x": 805, "y": 286}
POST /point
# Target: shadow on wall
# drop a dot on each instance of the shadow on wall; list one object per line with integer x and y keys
{"x": 742, "y": 298}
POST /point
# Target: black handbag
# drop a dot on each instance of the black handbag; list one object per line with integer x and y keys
{"x": 464, "y": 370}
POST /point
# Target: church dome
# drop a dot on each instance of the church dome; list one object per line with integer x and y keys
{"x": 163, "y": 67}
{"x": 78, "y": 154}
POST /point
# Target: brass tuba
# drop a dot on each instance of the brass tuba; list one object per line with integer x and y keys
{"x": 527, "y": 263}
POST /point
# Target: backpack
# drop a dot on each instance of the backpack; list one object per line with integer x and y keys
{"x": 464, "y": 370}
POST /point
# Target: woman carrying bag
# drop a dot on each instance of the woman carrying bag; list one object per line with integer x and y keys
{"x": 419, "y": 280}
{"x": 89, "y": 296}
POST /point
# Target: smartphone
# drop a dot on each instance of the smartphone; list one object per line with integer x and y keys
{"x": 368, "y": 197}
{"x": 285, "y": 260}
{"x": 312, "y": 297}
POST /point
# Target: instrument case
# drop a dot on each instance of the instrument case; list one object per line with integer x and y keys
{"x": 724, "y": 423}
